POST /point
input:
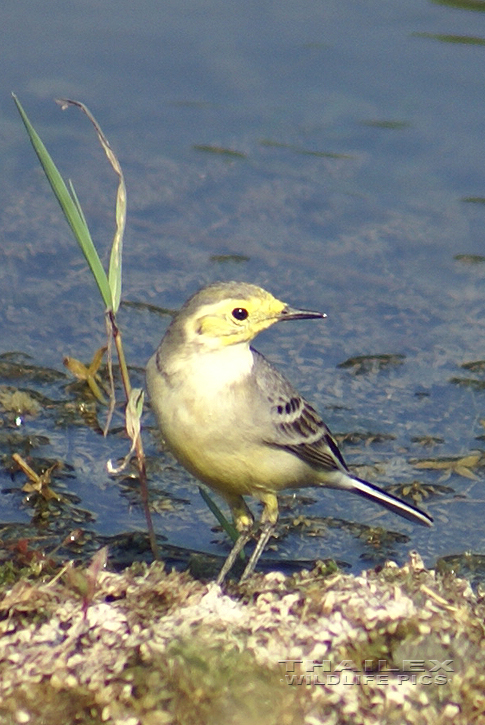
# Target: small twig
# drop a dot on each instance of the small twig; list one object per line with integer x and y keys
{"x": 140, "y": 454}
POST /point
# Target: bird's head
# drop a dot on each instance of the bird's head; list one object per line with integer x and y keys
{"x": 227, "y": 313}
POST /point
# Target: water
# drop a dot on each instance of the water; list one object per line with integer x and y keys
{"x": 358, "y": 179}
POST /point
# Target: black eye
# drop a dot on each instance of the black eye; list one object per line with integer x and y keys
{"x": 239, "y": 313}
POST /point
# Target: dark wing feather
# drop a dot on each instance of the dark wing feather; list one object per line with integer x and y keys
{"x": 297, "y": 427}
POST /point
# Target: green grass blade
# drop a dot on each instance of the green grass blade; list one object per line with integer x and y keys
{"x": 72, "y": 191}
{"x": 230, "y": 530}
{"x": 115, "y": 263}
{"x": 116, "y": 257}
{"x": 74, "y": 218}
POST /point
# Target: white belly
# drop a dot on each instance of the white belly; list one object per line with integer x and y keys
{"x": 211, "y": 427}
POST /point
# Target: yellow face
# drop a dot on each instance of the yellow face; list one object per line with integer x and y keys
{"x": 228, "y": 313}
{"x": 234, "y": 319}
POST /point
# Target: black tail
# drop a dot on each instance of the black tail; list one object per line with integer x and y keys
{"x": 374, "y": 493}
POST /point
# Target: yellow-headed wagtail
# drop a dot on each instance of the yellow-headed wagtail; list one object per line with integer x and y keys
{"x": 234, "y": 421}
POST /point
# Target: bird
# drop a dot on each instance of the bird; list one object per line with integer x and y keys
{"x": 235, "y": 422}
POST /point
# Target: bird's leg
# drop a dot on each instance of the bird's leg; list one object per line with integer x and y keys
{"x": 269, "y": 518}
{"x": 243, "y": 521}
{"x": 233, "y": 554}
{"x": 267, "y": 531}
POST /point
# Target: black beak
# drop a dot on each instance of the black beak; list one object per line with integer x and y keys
{"x": 289, "y": 313}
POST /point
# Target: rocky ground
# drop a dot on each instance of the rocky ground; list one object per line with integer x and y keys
{"x": 149, "y": 647}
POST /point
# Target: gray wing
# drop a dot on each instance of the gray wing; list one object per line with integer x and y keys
{"x": 297, "y": 427}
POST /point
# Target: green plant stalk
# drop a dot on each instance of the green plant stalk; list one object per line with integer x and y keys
{"x": 140, "y": 454}
{"x": 115, "y": 262}
{"x": 110, "y": 289}
{"x": 70, "y": 209}
{"x": 230, "y": 530}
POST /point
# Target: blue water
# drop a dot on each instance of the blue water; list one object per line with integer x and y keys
{"x": 358, "y": 179}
